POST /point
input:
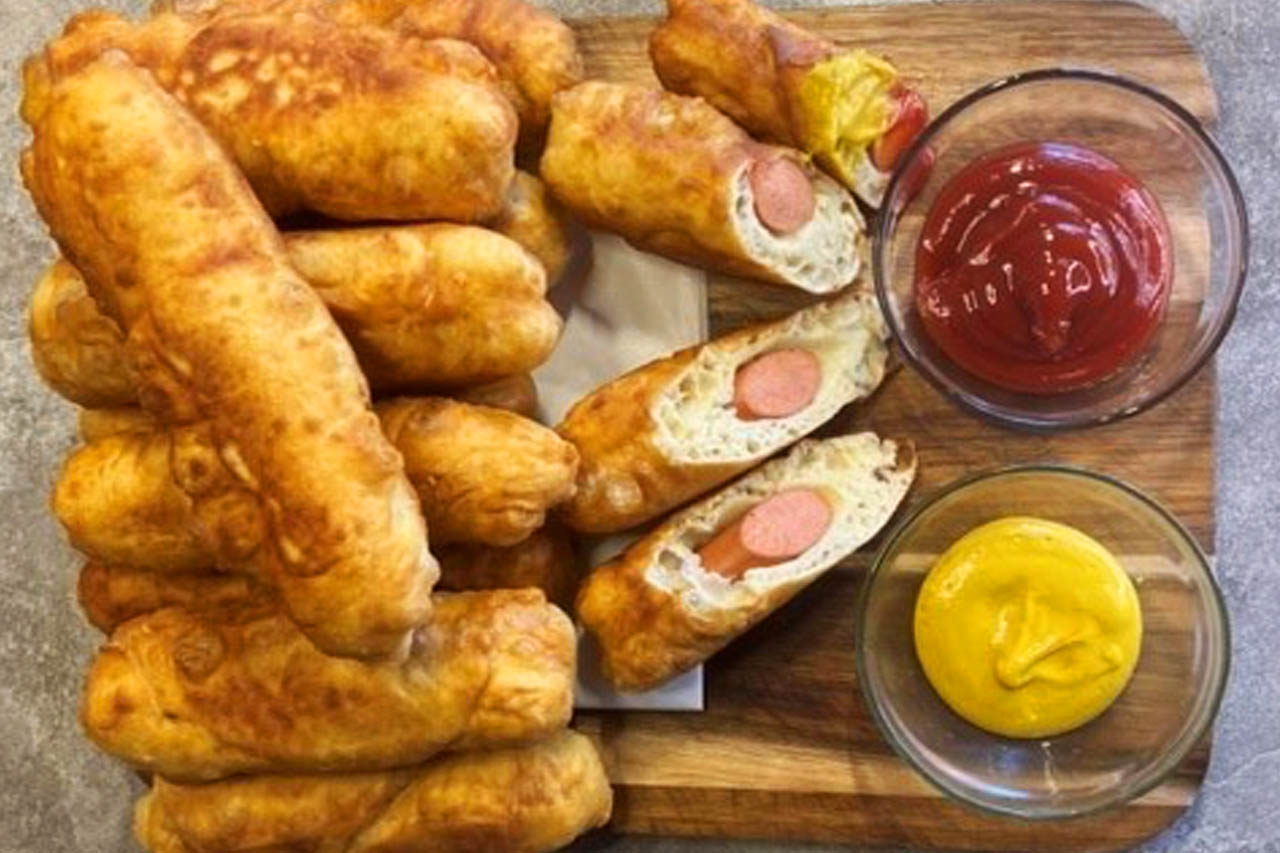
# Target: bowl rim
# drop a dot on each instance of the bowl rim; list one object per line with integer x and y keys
{"x": 1179, "y": 750}
{"x": 975, "y": 403}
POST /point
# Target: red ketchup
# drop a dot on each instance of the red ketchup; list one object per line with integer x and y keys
{"x": 1043, "y": 267}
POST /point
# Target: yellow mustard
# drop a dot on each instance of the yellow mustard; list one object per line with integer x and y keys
{"x": 844, "y": 103}
{"x": 1028, "y": 628}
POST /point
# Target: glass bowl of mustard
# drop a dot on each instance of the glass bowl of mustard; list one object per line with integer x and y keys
{"x": 1061, "y": 248}
{"x": 1042, "y": 641}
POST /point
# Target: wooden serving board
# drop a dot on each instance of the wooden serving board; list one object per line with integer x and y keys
{"x": 786, "y": 748}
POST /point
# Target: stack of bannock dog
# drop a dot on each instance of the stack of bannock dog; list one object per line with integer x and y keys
{"x": 305, "y": 252}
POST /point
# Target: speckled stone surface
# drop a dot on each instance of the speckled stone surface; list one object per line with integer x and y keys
{"x": 58, "y": 795}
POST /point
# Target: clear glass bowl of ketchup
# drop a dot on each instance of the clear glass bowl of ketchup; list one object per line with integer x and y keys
{"x": 1061, "y": 248}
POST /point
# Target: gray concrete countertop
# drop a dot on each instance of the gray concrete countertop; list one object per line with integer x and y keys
{"x": 60, "y": 795}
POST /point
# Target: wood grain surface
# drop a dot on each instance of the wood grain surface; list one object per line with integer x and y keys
{"x": 786, "y": 749}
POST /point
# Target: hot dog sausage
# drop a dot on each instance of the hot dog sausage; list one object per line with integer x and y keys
{"x": 777, "y": 529}
{"x": 776, "y": 384}
{"x": 783, "y": 195}
{"x": 910, "y": 116}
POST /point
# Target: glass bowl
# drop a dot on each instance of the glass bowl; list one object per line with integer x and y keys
{"x": 1155, "y": 140}
{"x": 1164, "y": 710}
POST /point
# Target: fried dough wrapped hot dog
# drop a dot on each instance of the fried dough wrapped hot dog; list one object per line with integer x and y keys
{"x": 112, "y": 595}
{"x": 713, "y": 570}
{"x": 194, "y": 699}
{"x": 484, "y": 475}
{"x": 674, "y": 176}
{"x": 356, "y": 122}
{"x": 545, "y": 560}
{"x": 536, "y": 221}
{"x": 424, "y": 306}
{"x": 295, "y": 475}
{"x": 847, "y": 108}
{"x": 118, "y": 502}
{"x": 535, "y": 52}
{"x": 529, "y": 798}
{"x": 438, "y": 306}
{"x": 77, "y": 349}
{"x": 674, "y": 428}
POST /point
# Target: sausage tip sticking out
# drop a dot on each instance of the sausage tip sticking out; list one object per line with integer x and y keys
{"x": 910, "y": 115}
{"x": 777, "y": 529}
{"x": 784, "y": 198}
{"x": 777, "y": 384}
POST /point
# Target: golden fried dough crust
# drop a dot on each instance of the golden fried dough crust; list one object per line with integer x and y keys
{"x": 194, "y": 700}
{"x": 316, "y": 813}
{"x": 725, "y": 51}
{"x": 423, "y": 306}
{"x": 93, "y": 424}
{"x": 483, "y": 475}
{"x": 641, "y": 437}
{"x": 222, "y": 331}
{"x": 536, "y": 221}
{"x": 649, "y": 626}
{"x": 111, "y": 595}
{"x": 431, "y": 306}
{"x": 118, "y": 503}
{"x": 786, "y": 85}
{"x": 356, "y": 122}
{"x": 531, "y": 47}
{"x": 86, "y": 36}
{"x": 624, "y": 479}
{"x": 365, "y": 135}
{"x": 514, "y": 393}
{"x": 655, "y": 168}
{"x": 523, "y": 799}
{"x": 76, "y": 348}
{"x": 546, "y": 560}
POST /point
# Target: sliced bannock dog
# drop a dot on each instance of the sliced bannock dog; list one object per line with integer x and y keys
{"x": 674, "y": 176}
{"x": 668, "y": 431}
{"x": 672, "y": 599}
{"x": 848, "y": 108}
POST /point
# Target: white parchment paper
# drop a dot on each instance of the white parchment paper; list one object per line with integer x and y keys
{"x": 630, "y": 307}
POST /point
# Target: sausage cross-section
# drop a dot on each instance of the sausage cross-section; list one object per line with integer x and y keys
{"x": 777, "y": 384}
{"x": 781, "y": 527}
